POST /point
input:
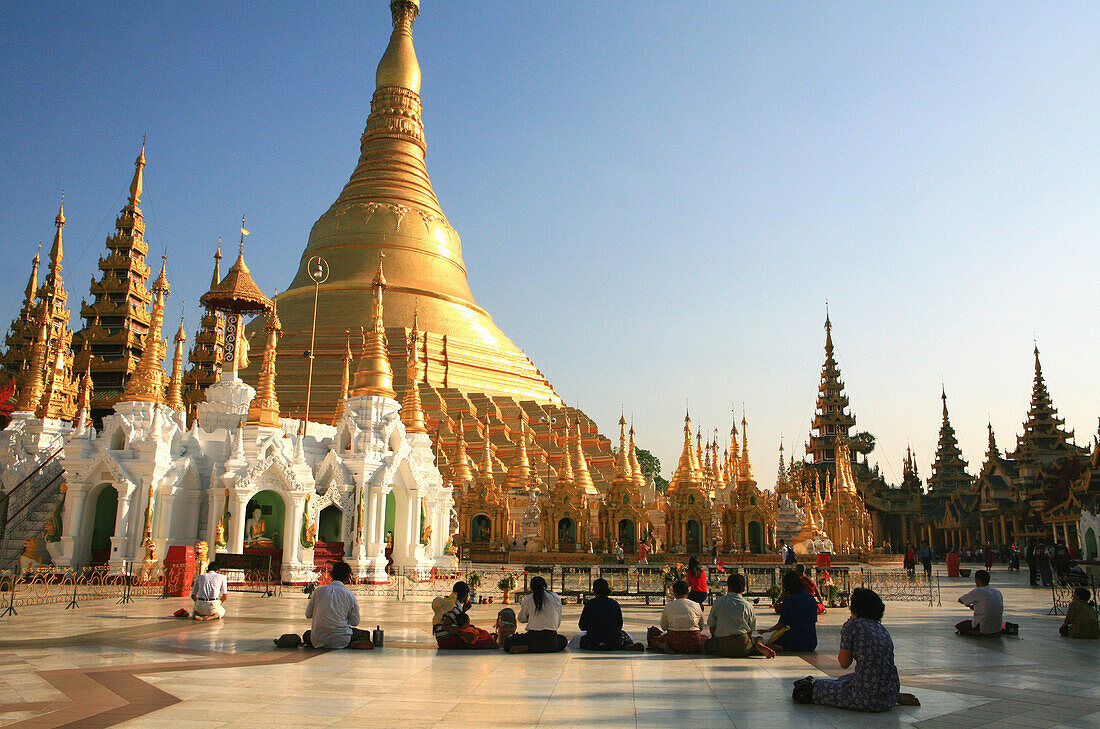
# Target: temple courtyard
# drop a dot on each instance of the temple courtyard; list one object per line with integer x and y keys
{"x": 131, "y": 665}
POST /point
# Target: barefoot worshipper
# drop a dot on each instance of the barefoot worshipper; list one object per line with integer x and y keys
{"x": 335, "y": 613}
{"x": 874, "y": 685}
{"x": 732, "y": 621}
{"x": 988, "y": 606}
{"x": 541, "y": 610}
{"x": 209, "y": 592}
{"x": 602, "y": 623}
{"x": 681, "y": 624}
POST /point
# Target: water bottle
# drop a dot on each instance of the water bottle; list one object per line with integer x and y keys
{"x": 377, "y": 636}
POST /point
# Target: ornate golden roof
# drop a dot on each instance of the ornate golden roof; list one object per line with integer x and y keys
{"x": 236, "y": 293}
{"x": 373, "y": 375}
{"x": 263, "y": 411}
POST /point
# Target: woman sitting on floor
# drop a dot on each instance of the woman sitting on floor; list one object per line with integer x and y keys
{"x": 602, "y": 623}
{"x": 797, "y": 626}
{"x": 874, "y": 685}
{"x": 1080, "y": 619}
{"x": 681, "y": 624}
{"x": 541, "y": 610}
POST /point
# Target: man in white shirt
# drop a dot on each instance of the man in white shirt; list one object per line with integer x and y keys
{"x": 732, "y": 621}
{"x": 334, "y": 611}
{"x": 988, "y": 606}
{"x": 208, "y": 592}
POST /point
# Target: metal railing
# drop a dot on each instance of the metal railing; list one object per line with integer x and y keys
{"x": 73, "y": 586}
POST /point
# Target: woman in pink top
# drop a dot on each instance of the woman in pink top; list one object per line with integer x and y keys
{"x": 697, "y": 581}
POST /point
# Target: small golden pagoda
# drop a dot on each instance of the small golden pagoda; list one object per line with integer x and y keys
{"x": 146, "y": 384}
{"x": 565, "y": 512}
{"x": 482, "y": 511}
{"x": 174, "y": 397}
{"x": 117, "y": 320}
{"x": 236, "y": 296}
{"x": 263, "y": 411}
{"x": 623, "y": 519}
{"x": 23, "y": 332}
{"x": 688, "y": 508}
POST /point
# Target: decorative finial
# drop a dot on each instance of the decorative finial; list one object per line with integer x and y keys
{"x": 244, "y": 232}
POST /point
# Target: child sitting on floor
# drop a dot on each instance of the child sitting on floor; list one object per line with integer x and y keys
{"x": 472, "y": 637}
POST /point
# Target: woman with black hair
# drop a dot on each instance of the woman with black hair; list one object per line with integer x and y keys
{"x": 541, "y": 610}
{"x": 874, "y": 685}
{"x": 797, "y": 626}
{"x": 697, "y": 581}
{"x": 602, "y": 623}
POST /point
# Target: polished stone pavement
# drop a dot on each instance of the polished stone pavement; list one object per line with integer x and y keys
{"x": 133, "y": 666}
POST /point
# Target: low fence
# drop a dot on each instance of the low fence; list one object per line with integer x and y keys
{"x": 73, "y": 586}
{"x": 1061, "y": 593}
{"x": 902, "y": 586}
{"x": 644, "y": 582}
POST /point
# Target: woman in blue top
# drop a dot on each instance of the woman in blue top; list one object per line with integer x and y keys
{"x": 874, "y": 685}
{"x": 797, "y": 626}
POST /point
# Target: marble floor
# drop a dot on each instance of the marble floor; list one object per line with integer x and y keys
{"x": 108, "y": 665}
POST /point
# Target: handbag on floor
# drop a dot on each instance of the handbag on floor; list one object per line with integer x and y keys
{"x": 803, "y": 690}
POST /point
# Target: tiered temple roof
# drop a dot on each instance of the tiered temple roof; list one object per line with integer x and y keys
{"x": 831, "y": 418}
{"x": 949, "y": 469}
{"x": 118, "y": 318}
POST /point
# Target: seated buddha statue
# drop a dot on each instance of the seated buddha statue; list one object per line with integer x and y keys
{"x": 256, "y": 531}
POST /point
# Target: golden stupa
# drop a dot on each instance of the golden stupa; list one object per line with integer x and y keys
{"x": 388, "y": 209}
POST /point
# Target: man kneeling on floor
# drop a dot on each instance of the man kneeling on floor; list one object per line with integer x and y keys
{"x": 209, "y": 591}
{"x": 334, "y": 612}
{"x": 988, "y": 606}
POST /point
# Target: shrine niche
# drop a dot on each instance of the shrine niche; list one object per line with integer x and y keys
{"x": 265, "y": 521}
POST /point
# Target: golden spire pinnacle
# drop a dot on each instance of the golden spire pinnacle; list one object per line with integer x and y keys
{"x": 460, "y": 471}
{"x": 412, "y": 410}
{"x": 264, "y": 408}
{"x": 136, "y": 183}
{"x": 217, "y": 277}
{"x": 622, "y": 459}
{"x": 147, "y": 382}
{"x": 635, "y": 465}
{"x": 344, "y": 380}
{"x": 57, "y": 250}
{"x": 687, "y": 470}
{"x": 746, "y": 464}
{"x": 582, "y": 476}
{"x": 519, "y": 472}
{"x": 565, "y": 468}
{"x": 32, "y": 283}
{"x": 373, "y": 376}
{"x": 84, "y": 399}
{"x": 485, "y": 469}
{"x": 49, "y": 405}
{"x": 399, "y": 66}
{"x": 174, "y": 398}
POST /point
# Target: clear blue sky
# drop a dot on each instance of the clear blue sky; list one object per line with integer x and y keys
{"x": 655, "y": 199}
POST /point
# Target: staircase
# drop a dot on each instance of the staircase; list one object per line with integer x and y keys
{"x": 30, "y": 503}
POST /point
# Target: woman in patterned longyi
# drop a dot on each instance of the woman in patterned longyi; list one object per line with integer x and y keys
{"x": 874, "y": 685}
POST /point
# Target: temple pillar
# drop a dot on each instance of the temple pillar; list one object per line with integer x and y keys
{"x": 981, "y": 521}
{"x": 120, "y": 542}
{"x": 71, "y": 528}
{"x": 235, "y": 538}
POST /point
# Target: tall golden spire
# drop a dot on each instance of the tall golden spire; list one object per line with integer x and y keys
{"x": 344, "y": 380}
{"x": 519, "y": 471}
{"x": 412, "y": 411}
{"x": 688, "y": 469}
{"x": 147, "y": 382}
{"x": 32, "y": 283}
{"x": 217, "y": 277}
{"x": 460, "y": 471}
{"x": 399, "y": 66}
{"x": 582, "y": 476}
{"x": 174, "y": 398}
{"x": 139, "y": 172}
{"x": 84, "y": 401}
{"x": 388, "y": 206}
{"x": 746, "y": 463}
{"x": 264, "y": 408}
{"x": 373, "y": 376}
{"x": 485, "y": 468}
{"x": 565, "y": 468}
{"x": 31, "y": 392}
{"x": 57, "y": 252}
{"x": 622, "y": 458}
{"x": 635, "y": 465}
{"x": 52, "y": 403}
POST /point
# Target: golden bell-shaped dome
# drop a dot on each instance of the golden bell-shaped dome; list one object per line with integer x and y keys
{"x": 388, "y": 208}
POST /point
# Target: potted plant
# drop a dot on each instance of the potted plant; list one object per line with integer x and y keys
{"x": 474, "y": 581}
{"x": 774, "y": 593}
{"x": 506, "y": 585}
